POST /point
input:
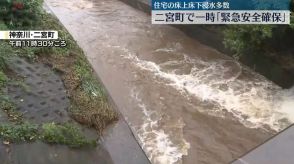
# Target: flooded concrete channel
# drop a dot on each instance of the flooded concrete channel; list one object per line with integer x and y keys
{"x": 185, "y": 102}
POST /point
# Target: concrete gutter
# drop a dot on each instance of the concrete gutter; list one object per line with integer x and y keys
{"x": 277, "y": 150}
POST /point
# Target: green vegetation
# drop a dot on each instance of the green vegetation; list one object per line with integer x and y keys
{"x": 241, "y": 38}
{"x": 3, "y": 25}
{"x": 21, "y": 13}
{"x": 3, "y": 79}
{"x": 257, "y": 39}
{"x": 50, "y": 133}
{"x": 66, "y": 134}
{"x": 9, "y": 108}
{"x": 90, "y": 104}
{"x": 89, "y": 83}
{"x": 5, "y": 52}
{"x": 18, "y": 133}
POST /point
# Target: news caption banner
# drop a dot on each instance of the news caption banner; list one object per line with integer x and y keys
{"x": 220, "y": 12}
{"x": 32, "y": 38}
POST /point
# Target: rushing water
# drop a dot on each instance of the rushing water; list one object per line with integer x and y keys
{"x": 185, "y": 102}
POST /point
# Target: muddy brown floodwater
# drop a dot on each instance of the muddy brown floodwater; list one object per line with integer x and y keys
{"x": 185, "y": 102}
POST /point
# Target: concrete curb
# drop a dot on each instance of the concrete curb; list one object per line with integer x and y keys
{"x": 277, "y": 149}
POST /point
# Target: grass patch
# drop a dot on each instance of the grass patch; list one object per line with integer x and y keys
{"x": 10, "y": 109}
{"x": 66, "y": 134}
{"x": 5, "y": 49}
{"x": 3, "y": 79}
{"x": 3, "y": 26}
{"x": 49, "y": 133}
{"x": 18, "y": 133}
{"x": 5, "y": 53}
{"x": 89, "y": 102}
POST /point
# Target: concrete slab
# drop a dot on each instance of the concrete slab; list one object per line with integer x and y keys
{"x": 40, "y": 96}
{"x": 277, "y": 150}
{"x": 122, "y": 148}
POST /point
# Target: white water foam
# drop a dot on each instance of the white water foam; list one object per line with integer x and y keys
{"x": 255, "y": 102}
{"x": 157, "y": 144}
{"x": 286, "y": 103}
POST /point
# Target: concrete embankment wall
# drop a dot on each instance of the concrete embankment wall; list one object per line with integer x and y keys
{"x": 211, "y": 35}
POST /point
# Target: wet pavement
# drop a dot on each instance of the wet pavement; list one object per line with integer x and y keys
{"x": 185, "y": 102}
{"x": 42, "y": 153}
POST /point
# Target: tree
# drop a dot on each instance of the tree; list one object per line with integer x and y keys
{"x": 243, "y": 38}
{"x": 20, "y": 13}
